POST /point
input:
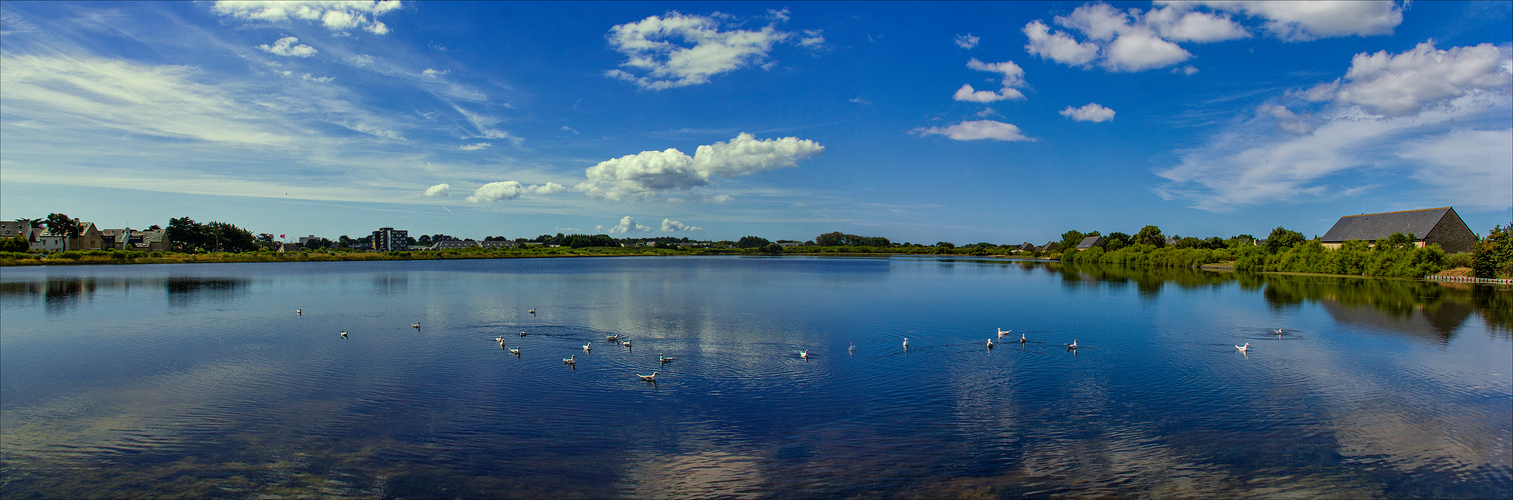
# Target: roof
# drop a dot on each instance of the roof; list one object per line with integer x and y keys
{"x": 1090, "y": 242}
{"x": 1372, "y": 227}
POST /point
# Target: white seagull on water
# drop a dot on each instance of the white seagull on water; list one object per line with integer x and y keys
{"x": 990, "y": 343}
{"x": 570, "y": 361}
{"x": 1243, "y": 348}
{"x": 662, "y": 358}
{"x": 1002, "y": 332}
{"x": 804, "y": 354}
{"x": 1072, "y": 345}
{"x": 648, "y": 378}
{"x": 515, "y": 350}
{"x": 588, "y": 346}
{"x": 906, "y": 342}
{"x": 343, "y": 334}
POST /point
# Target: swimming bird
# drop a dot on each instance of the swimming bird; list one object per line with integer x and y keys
{"x": 416, "y": 326}
{"x": 500, "y": 340}
{"x": 662, "y": 358}
{"x": 626, "y": 343}
{"x": 852, "y": 348}
{"x": 1278, "y": 332}
{"x": 804, "y": 354}
{"x": 1243, "y": 348}
{"x": 532, "y": 311}
{"x": 612, "y": 338}
{"x": 990, "y": 344}
{"x": 300, "y": 312}
{"x": 648, "y": 378}
{"x": 906, "y": 342}
{"x": 343, "y": 334}
{"x": 588, "y": 346}
{"x": 1072, "y": 345}
{"x": 515, "y": 350}
{"x": 570, "y": 361}
{"x": 1022, "y": 339}
{"x": 1002, "y": 332}
{"x": 522, "y": 333}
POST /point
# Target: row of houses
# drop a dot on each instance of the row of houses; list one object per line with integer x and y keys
{"x": 89, "y": 238}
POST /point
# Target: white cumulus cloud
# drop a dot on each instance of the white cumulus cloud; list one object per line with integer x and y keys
{"x": 1058, "y": 46}
{"x": 475, "y": 147}
{"x": 967, "y": 41}
{"x": 1398, "y": 85}
{"x": 1092, "y": 112}
{"x": 969, "y": 94}
{"x": 678, "y": 50}
{"x": 626, "y": 225}
{"x": 649, "y": 173}
{"x": 288, "y": 46}
{"x": 509, "y": 190}
{"x": 672, "y": 226}
{"x": 1013, "y": 76}
{"x": 334, "y": 15}
{"x": 1300, "y": 21}
{"x": 977, "y": 129}
{"x": 440, "y": 191}
{"x": 1129, "y": 40}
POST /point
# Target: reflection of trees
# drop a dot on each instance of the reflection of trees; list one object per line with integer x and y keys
{"x": 1435, "y": 307}
{"x": 183, "y": 291}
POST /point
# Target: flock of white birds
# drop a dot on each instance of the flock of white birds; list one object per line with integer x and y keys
{"x": 803, "y": 354}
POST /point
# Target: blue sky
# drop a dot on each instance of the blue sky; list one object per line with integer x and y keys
{"x": 922, "y": 122}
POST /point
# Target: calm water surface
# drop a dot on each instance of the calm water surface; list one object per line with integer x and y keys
{"x": 201, "y": 380}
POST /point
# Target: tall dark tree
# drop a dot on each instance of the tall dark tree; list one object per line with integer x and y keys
{"x": 61, "y": 224}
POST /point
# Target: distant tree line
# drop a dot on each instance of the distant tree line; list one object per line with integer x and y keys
{"x": 186, "y": 235}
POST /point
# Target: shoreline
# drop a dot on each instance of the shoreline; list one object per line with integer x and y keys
{"x": 109, "y": 258}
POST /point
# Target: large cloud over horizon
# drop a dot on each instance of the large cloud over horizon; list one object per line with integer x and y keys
{"x": 1418, "y": 115}
{"x": 650, "y": 173}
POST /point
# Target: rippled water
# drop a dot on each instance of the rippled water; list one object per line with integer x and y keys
{"x": 201, "y": 380}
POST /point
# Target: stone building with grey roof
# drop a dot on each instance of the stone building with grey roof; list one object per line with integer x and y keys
{"x": 1441, "y": 226}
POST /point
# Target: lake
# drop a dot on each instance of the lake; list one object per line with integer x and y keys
{"x": 201, "y": 380}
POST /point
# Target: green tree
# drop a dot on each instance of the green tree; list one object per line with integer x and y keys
{"x": 61, "y": 224}
{"x": 17, "y": 243}
{"x": 752, "y": 242}
{"x": 831, "y": 239}
{"x": 1070, "y": 239}
{"x": 773, "y": 249}
{"x": 1282, "y": 239}
{"x": 1150, "y": 235}
{"x": 1116, "y": 240}
{"x": 1492, "y": 257}
{"x": 186, "y": 235}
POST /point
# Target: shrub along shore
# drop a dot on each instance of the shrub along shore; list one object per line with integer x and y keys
{"x": 1283, "y": 251}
